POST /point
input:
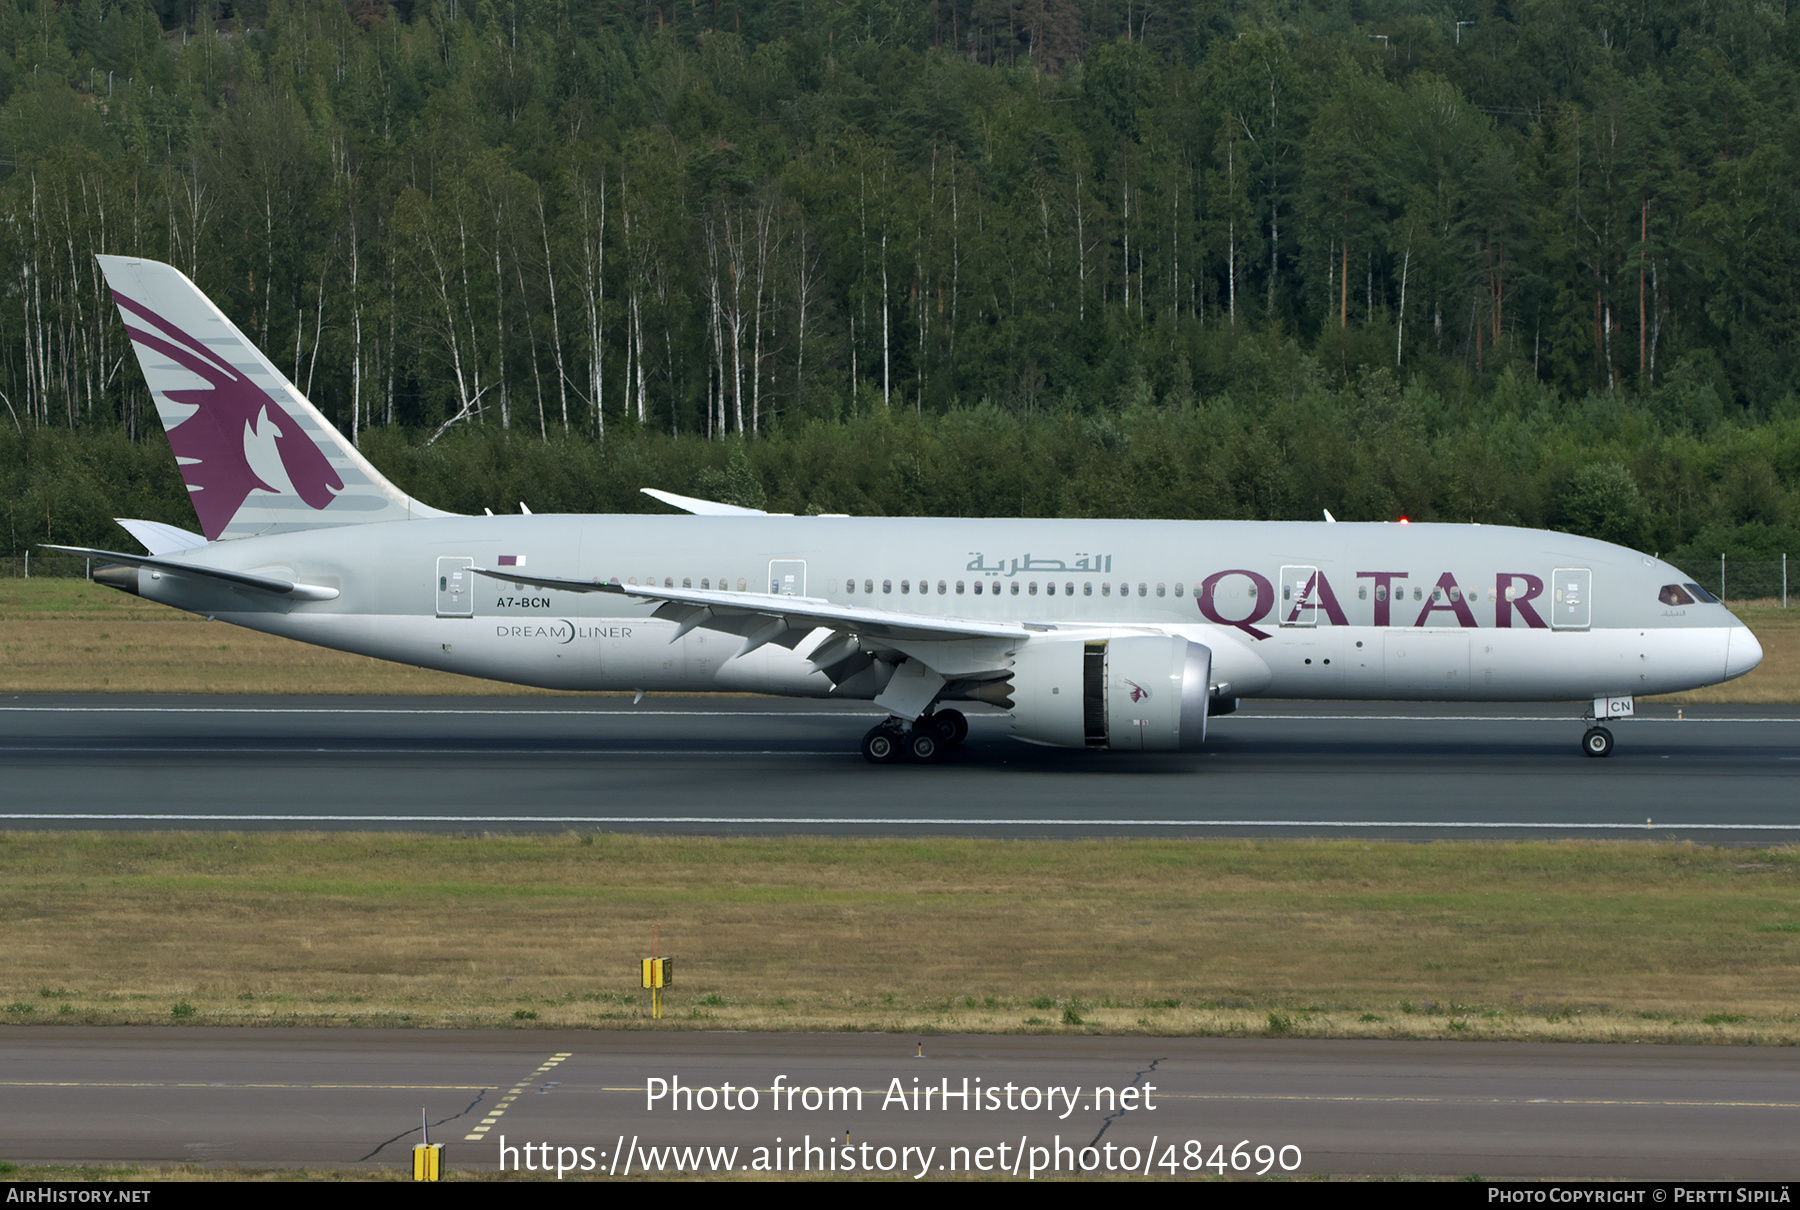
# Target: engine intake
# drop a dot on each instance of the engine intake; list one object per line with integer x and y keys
{"x": 1139, "y": 693}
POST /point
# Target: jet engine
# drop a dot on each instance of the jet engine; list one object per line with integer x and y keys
{"x": 1139, "y": 693}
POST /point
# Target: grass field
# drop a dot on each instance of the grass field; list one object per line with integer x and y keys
{"x": 1580, "y": 941}
{"x": 71, "y": 636}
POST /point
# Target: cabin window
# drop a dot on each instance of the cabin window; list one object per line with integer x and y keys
{"x": 1069, "y": 589}
{"x": 1160, "y": 592}
{"x": 1015, "y": 588}
{"x": 1362, "y": 592}
{"x": 1252, "y": 593}
{"x": 1143, "y": 589}
{"x": 905, "y": 586}
{"x": 959, "y": 588}
{"x": 1178, "y": 591}
{"x": 978, "y": 588}
{"x": 740, "y": 583}
{"x": 1674, "y": 594}
{"x": 1032, "y": 588}
{"x": 1381, "y": 592}
{"x": 1087, "y": 589}
{"x": 887, "y": 586}
{"x": 942, "y": 588}
{"x": 850, "y": 586}
{"x": 1512, "y": 592}
{"x": 1106, "y": 590}
{"x": 868, "y": 586}
{"x": 687, "y": 582}
{"x": 1418, "y": 594}
{"x": 1455, "y": 593}
{"x": 1437, "y": 594}
{"x": 1050, "y": 588}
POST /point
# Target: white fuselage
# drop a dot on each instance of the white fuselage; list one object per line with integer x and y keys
{"x": 1288, "y": 609}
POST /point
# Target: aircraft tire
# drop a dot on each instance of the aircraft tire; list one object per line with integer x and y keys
{"x": 924, "y": 746}
{"x": 882, "y": 745}
{"x": 952, "y": 727}
{"x": 1597, "y": 742}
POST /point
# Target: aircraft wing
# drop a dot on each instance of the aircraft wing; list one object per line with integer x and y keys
{"x": 939, "y": 649}
{"x": 729, "y": 611}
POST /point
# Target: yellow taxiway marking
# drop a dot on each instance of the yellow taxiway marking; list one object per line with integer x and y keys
{"x": 495, "y": 1114}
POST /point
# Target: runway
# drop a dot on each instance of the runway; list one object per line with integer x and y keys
{"x": 764, "y": 766}
{"x": 268, "y": 1098}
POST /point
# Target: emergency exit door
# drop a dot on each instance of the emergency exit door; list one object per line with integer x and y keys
{"x": 1299, "y": 596}
{"x": 787, "y": 577}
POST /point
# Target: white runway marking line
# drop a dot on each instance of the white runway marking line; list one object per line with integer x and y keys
{"x": 625, "y": 713}
{"x": 499, "y": 1110}
{"x": 841, "y": 821}
{"x": 101, "y": 748}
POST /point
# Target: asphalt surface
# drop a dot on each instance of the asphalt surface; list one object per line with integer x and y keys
{"x": 753, "y": 765}
{"x": 237, "y": 1097}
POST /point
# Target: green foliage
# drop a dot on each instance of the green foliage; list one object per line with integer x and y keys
{"x": 1214, "y": 264}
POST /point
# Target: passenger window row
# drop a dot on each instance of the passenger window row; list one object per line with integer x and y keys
{"x": 993, "y": 588}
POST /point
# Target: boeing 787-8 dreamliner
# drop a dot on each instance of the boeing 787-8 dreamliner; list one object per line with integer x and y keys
{"x": 1092, "y": 634}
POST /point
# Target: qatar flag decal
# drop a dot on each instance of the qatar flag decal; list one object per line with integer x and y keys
{"x": 512, "y": 560}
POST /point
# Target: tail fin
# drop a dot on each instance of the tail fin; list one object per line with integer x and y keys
{"x": 256, "y": 456}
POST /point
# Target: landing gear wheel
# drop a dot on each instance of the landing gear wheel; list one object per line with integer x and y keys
{"x": 950, "y": 725}
{"x": 1597, "y": 742}
{"x": 925, "y": 746}
{"x": 882, "y": 745}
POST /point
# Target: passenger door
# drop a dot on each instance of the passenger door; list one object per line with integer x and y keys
{"x": 455, "y": 587}
{"x": 1572, "y": 602}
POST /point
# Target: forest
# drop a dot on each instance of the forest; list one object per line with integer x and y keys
{"x": 1511, "y": 262}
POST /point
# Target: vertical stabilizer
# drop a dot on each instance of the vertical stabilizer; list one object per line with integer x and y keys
{"x": 257, "y": 457}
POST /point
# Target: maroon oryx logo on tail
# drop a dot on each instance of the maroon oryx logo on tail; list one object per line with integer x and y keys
{"x": 1138, "y": 692}
{"x": 210, "y": 443}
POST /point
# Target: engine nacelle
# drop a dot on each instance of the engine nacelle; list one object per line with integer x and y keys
{"x": 1139, "y": 693}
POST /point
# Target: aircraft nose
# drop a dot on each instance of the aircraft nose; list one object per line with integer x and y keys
{"x": 1742, "y": 652}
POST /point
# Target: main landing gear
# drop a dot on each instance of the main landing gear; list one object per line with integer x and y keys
{"x": 926, "y": 742}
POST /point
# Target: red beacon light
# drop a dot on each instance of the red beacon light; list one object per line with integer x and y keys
{"x": 1404, "y": 521}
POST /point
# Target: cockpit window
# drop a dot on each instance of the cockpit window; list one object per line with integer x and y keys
{"x": 1674, "y": 594}
{"x": 1700, "y": 594}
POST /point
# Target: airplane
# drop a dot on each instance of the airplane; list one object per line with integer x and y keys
{"x": 1091, "y": 634}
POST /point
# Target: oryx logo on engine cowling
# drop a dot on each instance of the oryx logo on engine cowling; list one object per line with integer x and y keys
{"x": 1138, "y": 692}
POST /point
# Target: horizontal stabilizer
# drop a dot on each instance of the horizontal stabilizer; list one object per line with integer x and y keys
{"x": 238, "y": 579}
{"x": 161, "y": 539}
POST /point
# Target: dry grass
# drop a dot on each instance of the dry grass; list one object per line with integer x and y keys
{"x": 1777, "y": 678}
{"x": 70, "y": 636}
{"x": 1576, "y": 941}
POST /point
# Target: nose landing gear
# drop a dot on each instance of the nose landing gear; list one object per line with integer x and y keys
{"x": 1599, "y": 741}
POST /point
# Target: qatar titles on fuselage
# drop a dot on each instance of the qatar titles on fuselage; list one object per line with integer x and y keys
{"x": 1115, "y": 634}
